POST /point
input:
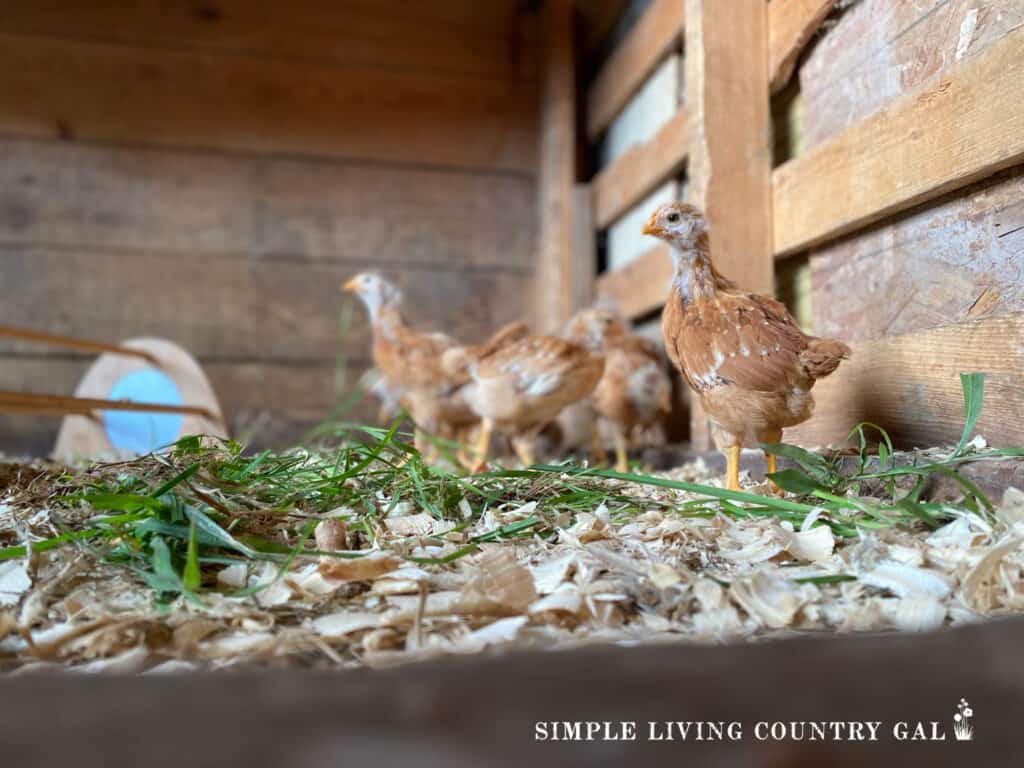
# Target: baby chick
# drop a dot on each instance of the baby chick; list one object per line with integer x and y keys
{"x": 635, "y": 389}
{"x": 520, "y": 387}
{"x": 744, "y": 354}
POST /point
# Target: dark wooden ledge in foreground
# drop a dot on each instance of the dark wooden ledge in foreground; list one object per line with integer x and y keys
{"x": 479, "y": 711}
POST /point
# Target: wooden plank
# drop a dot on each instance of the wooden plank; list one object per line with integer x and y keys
{"x": 729, "y": 139}
{"x": 639, "y": 170}
{"x": 435, "y": 710}
{"x": 584, "y": 248}
{"x": 958, "y": 258}
{"x": 791, "y": 25}
{"x": 656, "y": 33}
{"x": 960, "y": 127}
{"x": 880, "y": 50}
{"x": 180, "y": 201}
{"x": 557, "y": 173}
{"x": 641, "y": 286}
{"x": 113, "y": 93}
{"x": 233, "y": 307}
{"x": 910, "y": 385}
{"x": 730, "y": 153}
{"x": 445, "y": 36}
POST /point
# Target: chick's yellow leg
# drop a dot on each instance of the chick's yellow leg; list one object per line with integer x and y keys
{"x": 483, "y": 443}
{"x": 732, "y": 468}
{"x": 523, "y": 446}
{"x": 771, "y": 461}
{"x": 621, "y": 459}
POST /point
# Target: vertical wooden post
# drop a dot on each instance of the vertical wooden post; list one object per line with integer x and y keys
{"x": 729, "y": 133}
{"x": 557, "y": 173}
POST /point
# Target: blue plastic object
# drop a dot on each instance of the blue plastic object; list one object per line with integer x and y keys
{"x": 144, "y": 432}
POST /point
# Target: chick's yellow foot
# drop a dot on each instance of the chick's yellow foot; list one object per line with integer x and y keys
{"x": 621, "y": 458}
{"x": 772, "y": 461}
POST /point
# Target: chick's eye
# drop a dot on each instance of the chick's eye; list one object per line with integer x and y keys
{"x": 672, "y": 218}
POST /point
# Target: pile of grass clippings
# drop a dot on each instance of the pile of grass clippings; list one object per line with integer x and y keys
{"x": 207, "y": 557}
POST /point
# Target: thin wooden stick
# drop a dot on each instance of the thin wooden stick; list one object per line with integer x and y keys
{"x": 19, "y": 402}
{"x": 70, "y": 342}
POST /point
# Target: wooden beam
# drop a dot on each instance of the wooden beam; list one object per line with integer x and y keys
{"x": 640, "y": 286}
{"x": 730, "y": 153}
{"x": 639, "y": 170}
{"x": 438, "y": 711}
{"x": 584, "y": 248}
{"x": 910, "y": 385}
{"x": 791, "y": 25}
{"x": 22, "y": 402}
{"x": 960, "y": 127}
{"x": 655, "y": 33}
{"x": 72, "y": 342}
{"x": 557, "y": 172}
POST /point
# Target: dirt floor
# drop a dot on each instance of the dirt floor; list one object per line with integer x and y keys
{"x": 326, "y": 566}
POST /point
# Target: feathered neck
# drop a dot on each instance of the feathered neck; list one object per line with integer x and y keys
{"x": 695, "y": 276}
{"x": 386, "y": 319}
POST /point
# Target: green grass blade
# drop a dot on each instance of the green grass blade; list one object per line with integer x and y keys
{"x": 973, "y": 385}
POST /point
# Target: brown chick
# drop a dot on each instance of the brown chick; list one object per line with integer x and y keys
{"x": 411, "y": 363}
{"x": 634, "y": 390}
{"x": 743, "y": 354}
{"x": 520, "y": 387}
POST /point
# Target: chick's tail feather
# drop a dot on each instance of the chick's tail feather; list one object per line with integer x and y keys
{"x": 823, "y": 356}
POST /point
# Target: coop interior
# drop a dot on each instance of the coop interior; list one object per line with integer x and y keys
{"x": 221, "y": 220}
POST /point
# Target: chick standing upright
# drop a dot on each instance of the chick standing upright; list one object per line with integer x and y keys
{"x": 743, "y": 353}
{"x": 635, "y": 389}
{"x": 521, "y": 387}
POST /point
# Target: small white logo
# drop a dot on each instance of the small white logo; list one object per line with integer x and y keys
{"x": 962, "y": 728}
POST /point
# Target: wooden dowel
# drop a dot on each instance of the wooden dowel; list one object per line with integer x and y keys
{"x": 70, "y": 342}
{"x": 20, "y": 402}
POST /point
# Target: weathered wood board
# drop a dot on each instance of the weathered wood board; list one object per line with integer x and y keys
{"x": 910, "y": 385}
{"x": 56, "y": 88}
{"x": 180, "y": 202}
{"x": 496, "y": 39}
{"x": 235, "y": 308}
{"x": 880, "y": 49}
{"x": 960, "y": 126}
{"x": 446, "y": 712}
{"x": 791, "y": 25}
{"x": 960, "y": 257}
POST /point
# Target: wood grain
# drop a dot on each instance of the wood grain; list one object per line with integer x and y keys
{"x": 957, "y": 258}
{"x": 910, "y": 385}
{"x": 557, "y": 173}
{"x": 656, "y": 33}
{"x": 639, "y": 170}
{"x": 880, "y": 50}
{"x": 493, "y": 39}
{"x": 729, "y": 136}
{"x": 444, "y": 712}
{"x": 112, "y": 93}
{"x": 233, "y": 307}
{"x": 179, "y": 201}
{"x": 960, "y": 127}
{"x": 640, "y": 286}
{"x": 791, "y": 25}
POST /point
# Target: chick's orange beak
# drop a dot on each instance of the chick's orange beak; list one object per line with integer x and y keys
{"x": 352, "y": 286}
{"x": 650, "y": 228}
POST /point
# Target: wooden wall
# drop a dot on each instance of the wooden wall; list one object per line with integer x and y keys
{"x": 210, "y": 171}
{"x": 909, "y": 287}
{"x": 956, "y": 258}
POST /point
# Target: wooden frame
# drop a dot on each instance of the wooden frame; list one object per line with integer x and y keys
{"x": 964, "y": 125}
